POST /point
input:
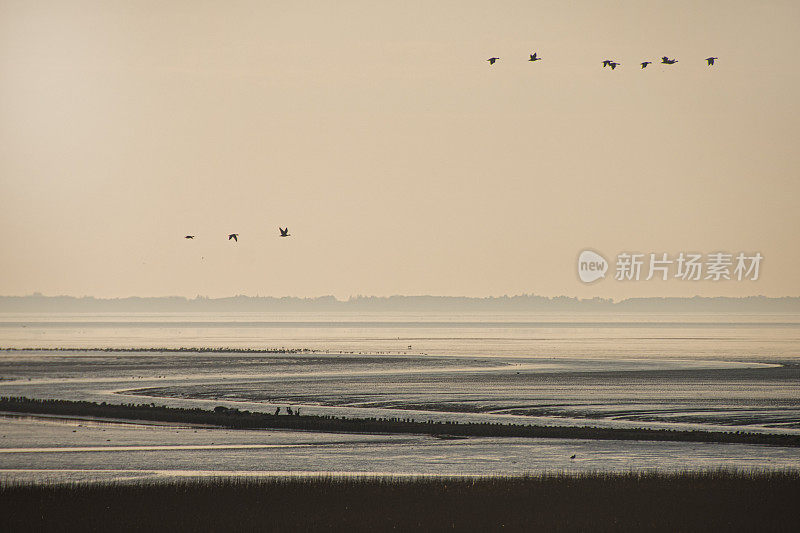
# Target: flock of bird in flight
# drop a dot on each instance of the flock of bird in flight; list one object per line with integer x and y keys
{"x": 533, "y": 57}
{"x": 614, "y": 64}
{"x": 235, "y": 236}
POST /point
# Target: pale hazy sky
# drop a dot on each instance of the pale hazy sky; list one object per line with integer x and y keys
{"x": 400, "y": 160}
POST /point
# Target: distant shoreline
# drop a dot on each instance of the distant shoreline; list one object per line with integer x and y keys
{"x": 182, "y": 349}
{"x": 523, "y": 303}
{"x": 224, "y": 417}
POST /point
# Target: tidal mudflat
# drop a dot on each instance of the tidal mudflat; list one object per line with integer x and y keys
{"x": 660, "y": 373}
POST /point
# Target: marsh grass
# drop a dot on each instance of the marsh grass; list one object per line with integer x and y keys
{"x": 236, "y": 419}
{"x": 718, "y": 500}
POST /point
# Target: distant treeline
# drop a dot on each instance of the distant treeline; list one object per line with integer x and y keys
{"x": 520, "y": 303}
{"x": 237, "y": 419}
{"x": 653, "y": 501}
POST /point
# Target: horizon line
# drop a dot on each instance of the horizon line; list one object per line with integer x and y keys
{"x": 353, "y": 297}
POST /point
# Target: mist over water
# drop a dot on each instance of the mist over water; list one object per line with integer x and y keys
{"x": 721, "y": 373}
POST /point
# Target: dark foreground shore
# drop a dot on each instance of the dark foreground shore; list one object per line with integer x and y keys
{"x": 710, "y": 501}
{"x": 236, "y": 419}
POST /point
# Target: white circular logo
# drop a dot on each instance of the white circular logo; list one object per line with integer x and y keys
{"x": 591, "y": 266}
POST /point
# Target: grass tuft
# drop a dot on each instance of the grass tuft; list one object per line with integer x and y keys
{"x": 714, "y": 500}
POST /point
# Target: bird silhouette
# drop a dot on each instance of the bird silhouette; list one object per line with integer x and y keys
{"x": 491, "y": 60}
{"x": 234, "y": 236}
{"x": 572, "y": 456}
{"x": 613, "y": 64}
{"x": 645, "y": 63}
{"x": 284, "y": 232}
{"x": 668, "y": 61}
{"x": 534, "y": 58}
{"x": 606, "y": 62}
{"x": 711, "y": 60}
{"x": 189, "y": 237}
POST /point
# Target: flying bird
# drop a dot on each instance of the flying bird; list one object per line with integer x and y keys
{"x": 284, "y": 232}
{"x": 613, "y": 64}
{"x": 668, "y": 61}
{"x": 572, "y": 456}
{"x": 711, "y": 60}
{"x": 645, "y": 63}
{"x": 534, "y": 58}
{"x": 234, "y": 236}
{"x": 491, "y": 60}
{"x": 606, "y": 62}
{"x": 189, "y": 237}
